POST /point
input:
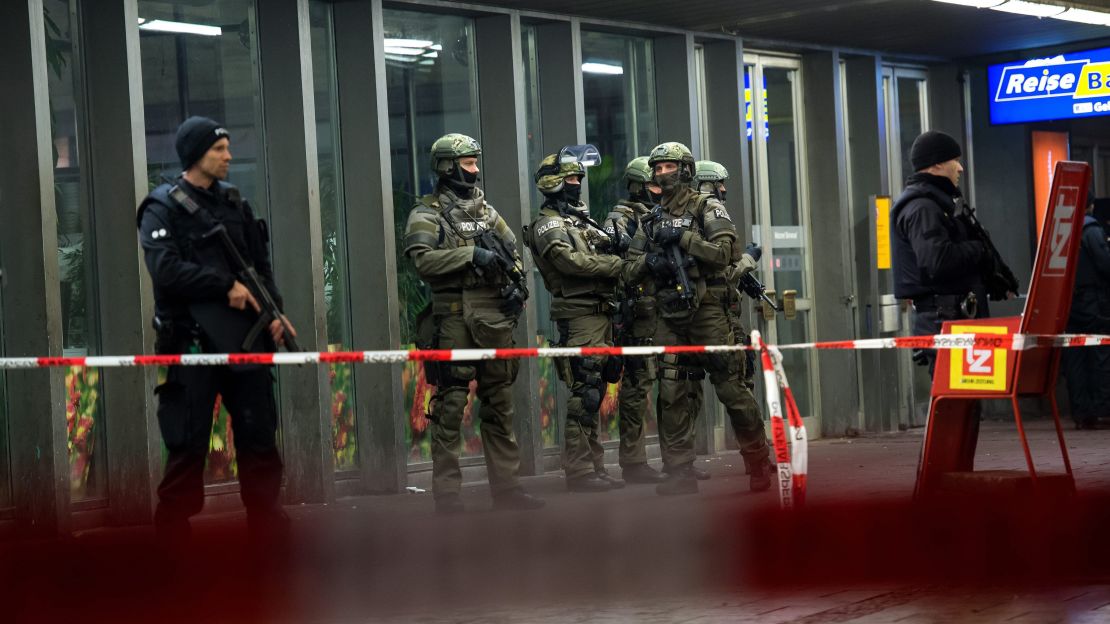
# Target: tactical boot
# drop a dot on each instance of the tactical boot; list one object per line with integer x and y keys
{"x": 641, "y": 473}
{"x": 516, "y": 499}
{"x": 699, "y": 474}
{"x": 679, "y": 481}
{"x": 587, "y": 483}
{"x": 614, "y": 483}
{"x": 761, "y": 473}
{"x": 449, "y": 504}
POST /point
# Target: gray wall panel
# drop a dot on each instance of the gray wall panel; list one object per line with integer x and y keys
{"x": 29, "y": 260}
{"x": 293, "y": 183}
{"x": 368, "y": 192}
{"x": 506, "y": 182}
{"x": 824, "y": 138}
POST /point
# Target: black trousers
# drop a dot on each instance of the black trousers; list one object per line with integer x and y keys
{"x": 928, "y": 320}
{"x": 185, "y": 404}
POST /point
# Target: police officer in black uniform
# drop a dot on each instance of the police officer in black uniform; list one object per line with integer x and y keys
{"x": 939, "y": 264}
{"x": 201, "y": 307}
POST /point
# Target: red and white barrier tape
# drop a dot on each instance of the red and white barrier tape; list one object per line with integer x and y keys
{"x": 1015, "y": 342}
{"x": 791, "y": 458}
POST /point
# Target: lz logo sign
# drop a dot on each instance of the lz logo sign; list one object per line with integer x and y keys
{"x": 1060, "y": 232}
{"x": 978, "y": 368}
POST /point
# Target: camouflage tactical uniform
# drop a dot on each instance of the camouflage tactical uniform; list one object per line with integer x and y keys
{"x": 466, "y": 311}
{"x": 637, "y": 320}
{"x": 700, "y": 225}
{"x": 569, "y": 249}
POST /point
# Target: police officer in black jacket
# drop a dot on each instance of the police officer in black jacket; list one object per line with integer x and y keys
{"x": 201, "y": 306}
{"x": 1087, "y": 369}
{"x": 938, "y": 263}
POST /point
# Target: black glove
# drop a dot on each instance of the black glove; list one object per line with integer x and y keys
{"x": 668, "y": 235}
{"x": 755, "y": 251}
{"x": 621, "y": 241}
{"x": 659, "y": 265}
{"x": 483, "y": 257}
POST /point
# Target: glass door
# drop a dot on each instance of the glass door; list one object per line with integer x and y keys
{"x": 780, "y": 201}
{"x": 907, "y": 116}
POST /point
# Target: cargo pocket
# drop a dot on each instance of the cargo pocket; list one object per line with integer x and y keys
{"x": 490, "y": 327}
{"x": 173, "y": 414}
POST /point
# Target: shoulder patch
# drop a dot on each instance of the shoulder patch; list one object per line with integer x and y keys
{"x": 547, "y": 226}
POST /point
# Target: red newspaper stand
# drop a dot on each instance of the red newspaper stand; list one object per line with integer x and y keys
{"x": 991, "y": 371}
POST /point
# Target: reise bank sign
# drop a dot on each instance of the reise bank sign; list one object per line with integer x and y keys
{"x": 1067, "y": 86}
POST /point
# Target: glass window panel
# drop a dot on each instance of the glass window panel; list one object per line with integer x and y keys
{"x": 432, "y": 86}
{"x": 333, "y": 227}
{"x": 76, "y": 258}
{"x": 619, "y": 84}
{"x": 910, "y": 118}
{"x": 620, "y": 111}
{"x": 216, "y": 76}
{"x": 796, "y": 363}
{"x": 788, "y": 260}
{"x": 210, "y": 76}
{"x": 549, "y": 386}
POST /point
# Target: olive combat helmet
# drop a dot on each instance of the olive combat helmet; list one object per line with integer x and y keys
{"x": 449, "y": 148}
{"x": 708, "y": 175}
{"x": 552, "y": 175}
{"x": 638, "y": 170}
{"x": 637, "y": 175}
{"x": 673, "y": 151}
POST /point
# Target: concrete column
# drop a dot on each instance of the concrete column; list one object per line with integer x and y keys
{"x": 827, "y": 179}
{"x": 506, "y": 182}
{"x": 29, "y": 260}
{"x": 293, "y": 186}
{"x": 115, "y": 157}
{"x": 676, "y": 93}
{"x": 368, "y": 192}
{"x": 868, "y": 157}
{"x": 724, "y": 93}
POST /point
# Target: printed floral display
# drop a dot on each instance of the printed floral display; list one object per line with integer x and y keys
{"x": 547, "y": 394}
{"x": 82, "y": 394}
{"x": 221, "y": 464}
{"x": 418, "y": 396}
{"x": 344, "y": 440}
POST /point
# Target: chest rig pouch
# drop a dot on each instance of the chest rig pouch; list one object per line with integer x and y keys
{"x": 466, "y": 221}
{"x": 678, "y": 287}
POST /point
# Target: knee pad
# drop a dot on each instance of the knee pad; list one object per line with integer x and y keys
{"x": 591, "y": 402}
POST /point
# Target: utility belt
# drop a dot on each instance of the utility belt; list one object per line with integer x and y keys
{"x": 967, "y": 304}
{"x": 174, "y": 336}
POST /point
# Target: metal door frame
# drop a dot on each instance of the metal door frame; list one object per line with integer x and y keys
{"x": 756, "y": 61}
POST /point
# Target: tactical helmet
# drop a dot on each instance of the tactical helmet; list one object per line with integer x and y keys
{"x": 709, "y": 171}
{"x": 449, "y": 148}
{"x": 551, "y": 177}
{"x": 638, "y": 170}
{"x": 673, "y": 151}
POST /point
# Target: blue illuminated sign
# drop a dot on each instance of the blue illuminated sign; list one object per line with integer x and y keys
{"x": 1066, "y": 86}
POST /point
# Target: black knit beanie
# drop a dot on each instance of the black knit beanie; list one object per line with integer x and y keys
{"x": 194, "y": 136}
{"x": 932, "y": 148}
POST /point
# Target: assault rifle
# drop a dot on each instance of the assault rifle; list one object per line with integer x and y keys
{"x": 755, "y": 289}
{"x": 999, "y": 280}
{"x": 683, "y": 286}
{"x": 250, "y": 278}
{"x": 245, "y": 273}
{"x": 515, "y": 293}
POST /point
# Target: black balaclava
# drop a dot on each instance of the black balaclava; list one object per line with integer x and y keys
{"x": 572, "y": 193}
{"x": 459, "y": 180}
{"x": 637, "y": 192}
